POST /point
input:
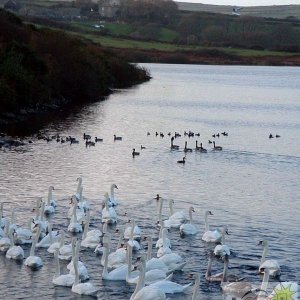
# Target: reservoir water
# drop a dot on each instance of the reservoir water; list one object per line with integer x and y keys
{"x": 252, "y": 185}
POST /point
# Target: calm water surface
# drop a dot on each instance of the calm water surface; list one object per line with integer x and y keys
{"x": 252, "y": 185}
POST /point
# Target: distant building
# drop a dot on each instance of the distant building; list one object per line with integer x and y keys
{"x": 109, "y": 8}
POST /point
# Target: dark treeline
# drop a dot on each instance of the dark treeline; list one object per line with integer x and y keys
{"x": 40, "y": 68}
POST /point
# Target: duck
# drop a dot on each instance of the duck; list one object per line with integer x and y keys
{"x": 98, "y": 140}
{"x": 14, "y": 252}
{"x": 86, "y": 136}
{"x": 112, "y": 200}
{"x": 135, "y": 153}
{"x": 143, "y": 292}
{"x": 109, "y": 214}
{"x": 186, "y": 149}
{"x": 143, "y": 147}
{"x": 173, "y": 147}
{"x": 222, "y": 249}
{"x": 271, "y": 264}
{"x": 82, "y": 288}
{"x": 210, "y": 236}
{"x": 216, "y": 148}
{"x": 32, "y": 261}
{"x": 190, "y": 228}
{"x": 200, "y": 148}
{"x": 117, "y": 138}
{"x": 181, "y": 161}
{"x": 61, "y": 279}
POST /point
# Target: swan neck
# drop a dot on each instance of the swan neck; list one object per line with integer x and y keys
{"x": 206, "y": 222}
{"x": 42, "y": 211}
{"x": 171, "y": 207}
{"x": 223, "y": 237}
{"x": 160, "y": 209}
{"x": 129, "y": 260}
{"x": 57, "y": 265}
{"x": 120, "y": 238}
{"x": 49, "y": 196}
{"x": 79, "y": 185}
{"x": 225, "y": 270}
{"x": 264, "y": 285}
{"x": 132, "y": 229}
{"x": 80, "y": 194}
{"x": 86, "y": 226}
{"x": 1, "y": 210}
{"x": 164, "y": 237}
{"x": 112, "y": 192}
{"x": 149, "y": 252}
{"x": 105, "y": 253}
{"x": 62, "y": 239}
{"x": 75, "y": 262}
{"x": 264, "y": 254}
{"x": 191, "y": 216}
{"x": 196, "y": 288}
{"x": 74, "y": 213}
{"x": 208, "y": 271}
{"x": 35, "y": 240}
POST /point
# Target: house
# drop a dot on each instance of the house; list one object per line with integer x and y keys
{"x": 109, "y": 8}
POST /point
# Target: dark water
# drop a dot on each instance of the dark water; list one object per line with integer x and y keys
{"x": 252, "y": 185}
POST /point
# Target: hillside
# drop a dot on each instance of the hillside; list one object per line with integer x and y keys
{"x": 274, "y": 11}
{"x": 42, "y": 69}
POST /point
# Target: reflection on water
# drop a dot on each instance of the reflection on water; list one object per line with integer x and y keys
{"x": 252, "y": 186}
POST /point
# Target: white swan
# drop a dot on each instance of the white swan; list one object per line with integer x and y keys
{"x": 109, "y": 214}
{"x": 189, "y": 228}
{"x": 164, "y": 249}
{"x": 170, "y": 287}
{"x": 50, "y": 238}
{"x": 74, "y": 226}
{"x": 56, "y": 245}
{"x": 24, "y": 235}
{"x": 132, "y": 242}
{"x": 14, "y": 252}
{"x": 77, "y": 195}
{"x": 34, "y": 262}
{"x": 65, "y": 251}
{"x": 90, "y": 239}
{"x": 175, "y": 219}
{"x": 112, "y": 199}
{"x": 146, "y": 293}
{"x": 83, "y": 205}
{"x": 80, "y": 214}
{"x": 40, "y": 222}
{"x": 2, "y": 218}
{"x": 51, "y": 204}
{"x": 136, "y": 234}
{"x": 271, "y": 264}
{"x": 86, "y": 288}
{"x": 159, "y": 242}
{"x": 209, "y": 235}
{"x": 64, "y": 279}
{"x": 119, "y": 273}
{"x": 223, "y": 249}
{"x": 5, "y": 242}
{"x": 241, "y": 289}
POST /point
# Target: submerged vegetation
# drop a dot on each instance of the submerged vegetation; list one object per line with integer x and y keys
{"x": 44, "y": 68}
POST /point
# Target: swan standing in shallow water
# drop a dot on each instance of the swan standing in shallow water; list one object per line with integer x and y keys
{"x": 61, "y": 279}
{"x": 34, "y": 262}
{"x": 211, "y": 236}
{"x": 190, "y": 228}
{"x": 86, "y": 288}
{"x": 271, "y": 264}
{"x": 222, "y": 250}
